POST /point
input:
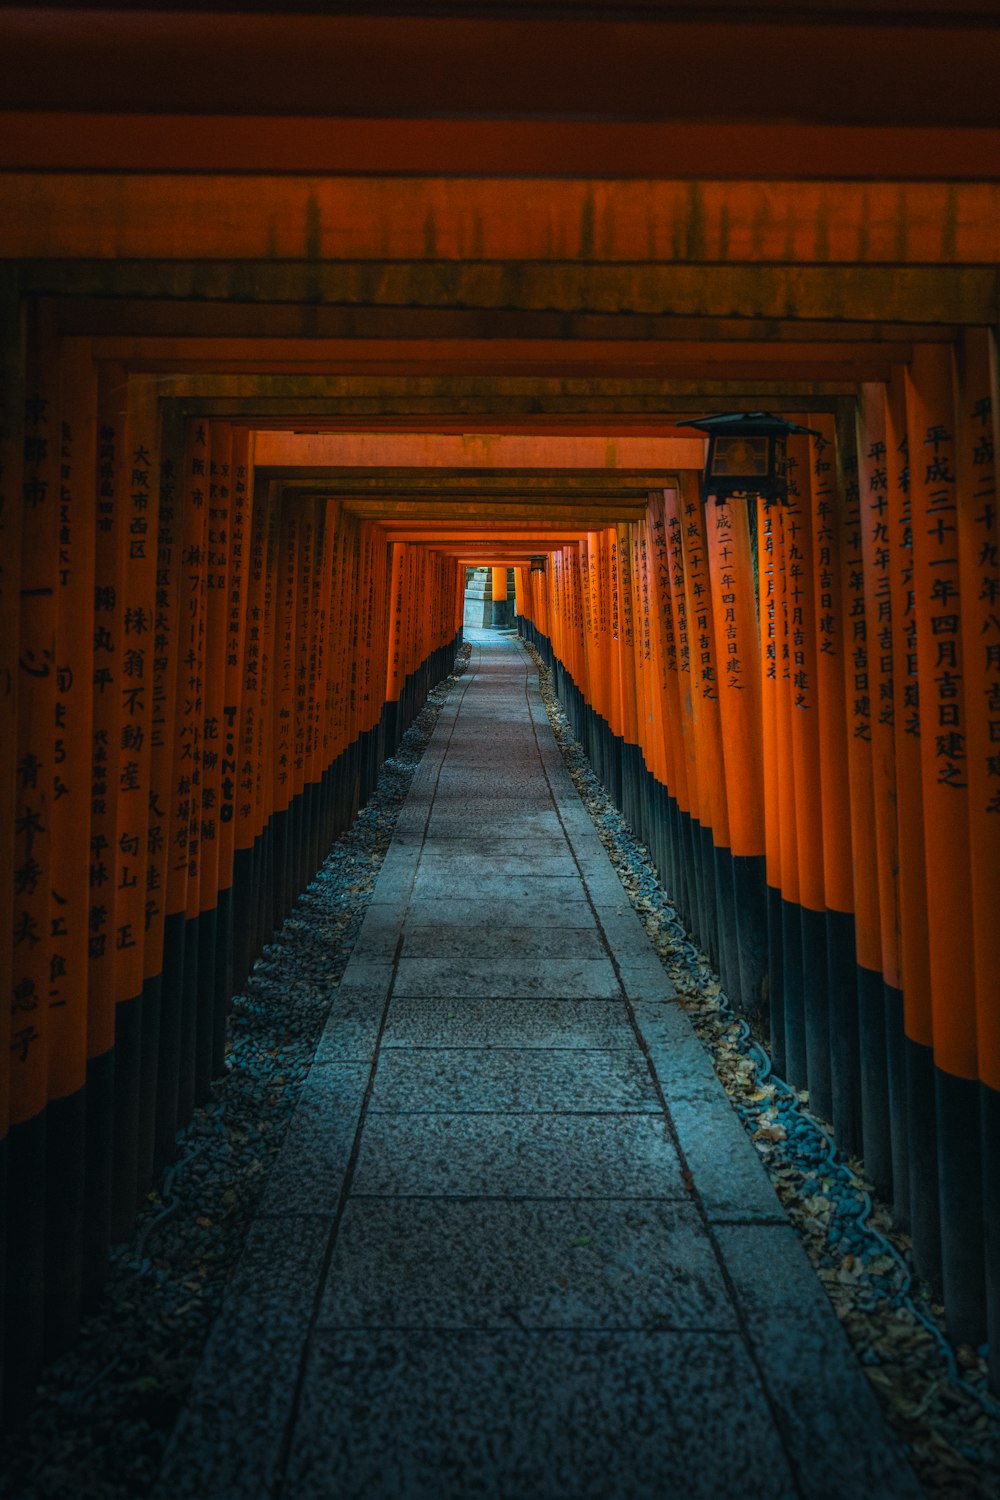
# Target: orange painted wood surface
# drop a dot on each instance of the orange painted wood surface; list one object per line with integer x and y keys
{"x": 931, "y": 425}
{"x": 979, "y": 583}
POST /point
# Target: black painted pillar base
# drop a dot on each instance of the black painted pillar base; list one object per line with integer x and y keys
{"x": 895, "y": 1064}
{"x": 24, "y": 1293}
{"x": 224, "y": 977}
{"x": 989, "y": 1110}
{"x": 729, "y": 944}
{"x": 99, "y": 1145}
{"x": 750, "y": 892}
{"x": 793, "y": 986}
{"x": 960, "y": 1187}
{"x": 168, "y": 1061}
{"x": 205, "y": 1027}
{"x": 922, "y": 1165}
{"x": 189, "y": 1023}
{"x": 279, "y": 846}
{"x": 152, "y": 1025}
{"x": 816, "y": 1002}
{"x": 699, "y": 913}
{"x": 875, "y": 1123}
{"x": 128, "y": 1058}
{"x": 65, "y": 1167}
{"x": 776, "y": 982}
{"x": 845, "y": 1046}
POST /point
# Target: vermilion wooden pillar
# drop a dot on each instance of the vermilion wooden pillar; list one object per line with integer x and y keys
{"x": 71, "y": 894}
{"x": 941, "y": 644}
{"x": 735, "y": 618}
{"x": 166, "y": 870}
{"x": 136, "y": 1031}
{"x": 979, "y": 578}
{"x": 875, "y": 527}
{"x": 33, "y": 900}
{"x": 12, "y": 391}
{"x": 769, "y": 586}
{"x": 501, "y": 616}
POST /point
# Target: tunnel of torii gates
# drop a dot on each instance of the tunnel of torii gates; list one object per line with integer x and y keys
{"x": 274, "y": 374}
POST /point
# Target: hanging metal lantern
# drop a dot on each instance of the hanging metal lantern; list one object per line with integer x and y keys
{"x": 747, "y": 455}
{"x": 538, "y": 563}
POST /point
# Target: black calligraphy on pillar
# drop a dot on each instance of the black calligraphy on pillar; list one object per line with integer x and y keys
{"x": 728, "y": 585}
{"x": 858, "y": 683}
{"x": 769, "y": 593}
{"x": 987, "y": 585}
{"x": 828, "y": 608}
{"x": 661, "y": 556}
{"x": 701, "y": 596}
{"x": 675, "y": 543}
{"x": 941, "y": 582}
{"x": 878, "y": 559}
{"x": 797, "y": 593}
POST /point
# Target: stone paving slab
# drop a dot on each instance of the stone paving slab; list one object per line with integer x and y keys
{"x": 580, "y": 978}
{"x": 536, "y": 909}
{"x": 393, "y": 887}
{"x": 447, "y": 1263}
{"x": 622, "y": 927}
{"x": 495, "y": 848}
{"x": 645, "y": 979}
{"x": 434, "y": 884}
{"x": 502, "y": 942}
{"x": 682, "y": 1065}
{"x": 832, "y": 1425}
{"x": 495, "y": 817}
{"x": 352, "y": 1034}
{"x": 468, "y": 869}
{"x": 492, "y": 738}
{"x": 491, "y": 1079}
{"x": 380, "y": 932}
{"x": 473, "y": 1022}
{"x": 531, "y": 1156}
{"x": 411, "y": 825}
{"x": 497, "y": 827}
{"x": 401, "y": 858}
{"x": 529, "y": 791}
{"x": 308, "y": 1176}
{"x": 731, "y": 1182}
{"x": 533, "y": 1416}
{"x": 366, "y": 976}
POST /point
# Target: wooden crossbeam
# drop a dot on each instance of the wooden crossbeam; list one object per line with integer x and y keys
{"x": 582, "y": 512}
{"x": 415, "y": 459}
{"x": 686, "y": 359}
{"x": 41, "y": 139}
{"x": 942, "y": 294}
{"x": 145, "y": 317}
{"x": 487, "y": 220}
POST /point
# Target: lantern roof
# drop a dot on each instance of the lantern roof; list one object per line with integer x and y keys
{"x": 753, "y": 423}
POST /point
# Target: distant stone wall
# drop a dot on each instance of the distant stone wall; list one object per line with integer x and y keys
{"x": 479, "y": 610}
{"x": 478, "y": 598}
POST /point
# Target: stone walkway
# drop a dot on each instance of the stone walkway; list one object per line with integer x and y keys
{"x": 517, "y": 1244}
